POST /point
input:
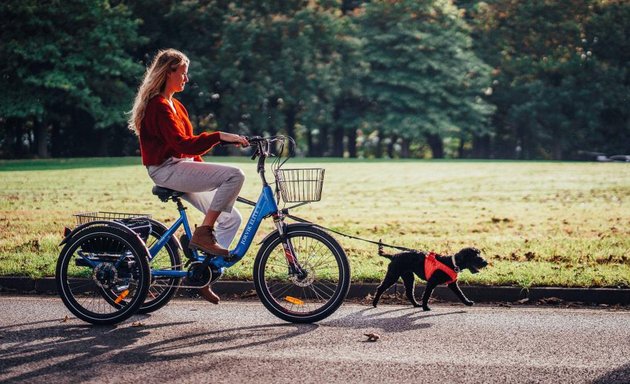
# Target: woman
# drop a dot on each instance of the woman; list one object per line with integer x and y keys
{"x": 172, "y": 155}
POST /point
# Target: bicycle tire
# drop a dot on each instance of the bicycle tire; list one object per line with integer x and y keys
{"x": 319, "y": 294}
{"x": 161, "y": 290}
{"x": 85, "y": 291}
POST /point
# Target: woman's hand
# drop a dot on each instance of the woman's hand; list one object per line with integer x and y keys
{"x": 234, "y": 139}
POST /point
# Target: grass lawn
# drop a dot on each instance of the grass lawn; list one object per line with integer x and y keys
{"x": 538, "y": 223}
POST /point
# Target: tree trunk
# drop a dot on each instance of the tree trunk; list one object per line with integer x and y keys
{"x": 309, "y": 143}
{"x": 318, "y": 143}
{"x": 337, "y": 144}
{"x": 323, "y": 141}
{"x": 437, "y": 146}
{"x": 405, "y": 151}
{"x": 378, "y": 151}
{"x": 42, "y": 137}
{"x": 352, "y": 143}
{"x": 481, "y": 147}
{"x": 289, "y": 121}
{"x": 390, "y": 146}
{"x": 460, "y": 147}
{"x": 102, "y": 148}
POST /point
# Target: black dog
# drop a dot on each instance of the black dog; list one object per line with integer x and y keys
{"x": 441, "y": 269}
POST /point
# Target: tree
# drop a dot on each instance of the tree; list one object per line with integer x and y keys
{"x": 280, "y": 68}
{"x": 556, "y": 84}
{"x": 425, "y": 82}
{"x": 63, "y": 63}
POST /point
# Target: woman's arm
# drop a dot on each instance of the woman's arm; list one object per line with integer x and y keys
{"x": 173, "y": 131}
{"x": 234, "y": 139}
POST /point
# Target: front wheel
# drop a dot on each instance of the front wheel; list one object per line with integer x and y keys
{"x": 320, "y": 287}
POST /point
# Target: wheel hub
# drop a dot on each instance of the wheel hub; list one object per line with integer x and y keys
{"x": 105, "y": 275}
{"x": 308, "y": 276}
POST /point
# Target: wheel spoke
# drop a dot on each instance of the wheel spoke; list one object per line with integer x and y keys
{"x": 306, "y": 297}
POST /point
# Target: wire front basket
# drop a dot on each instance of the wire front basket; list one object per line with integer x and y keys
{"x": 87, "y": 217}
{"x": 300, "y": 185}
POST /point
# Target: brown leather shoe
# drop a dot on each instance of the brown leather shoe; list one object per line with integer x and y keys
{"x": 203, "y": 239}
{"x": 206, "y": 293}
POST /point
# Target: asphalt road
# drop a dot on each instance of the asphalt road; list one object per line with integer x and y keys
{"x": 194, "y": 341}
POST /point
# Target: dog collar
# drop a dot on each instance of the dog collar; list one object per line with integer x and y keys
{"x": 455, "y": 267}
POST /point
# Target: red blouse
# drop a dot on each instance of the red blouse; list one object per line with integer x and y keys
{"x": 166, "y": 133}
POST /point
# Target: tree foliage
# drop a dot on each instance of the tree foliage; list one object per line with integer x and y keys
{"x": 557, "y": 88}
{"x": 63, "y": 62}
{"x": 424, "y": 80}
{"x": 493, "y": 78}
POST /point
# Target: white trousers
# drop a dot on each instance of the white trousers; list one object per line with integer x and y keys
{"x": 227, "y": 223}
{"x": 202, "y": 182}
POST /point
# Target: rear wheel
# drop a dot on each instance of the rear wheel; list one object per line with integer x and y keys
{"x": 314, "y": 293}
{"x": 97, "y": 263}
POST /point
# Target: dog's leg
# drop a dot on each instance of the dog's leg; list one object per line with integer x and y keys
{"x": 408, "y": 279}
{"x": 390, "y": 278}
{"x": 455, "y": 288}
{"x": 431, "y": 284}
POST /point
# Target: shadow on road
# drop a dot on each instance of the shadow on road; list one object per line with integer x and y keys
{"x": 620, "y": 375}
{"x": 394, "y": 320}
{"x": 191, "y": 345}
{"x": 30, "y": 354}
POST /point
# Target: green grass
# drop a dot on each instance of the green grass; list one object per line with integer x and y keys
{"x": 538, "y": 223}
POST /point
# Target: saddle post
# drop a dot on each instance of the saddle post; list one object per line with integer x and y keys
{"x": 180, "y": 207}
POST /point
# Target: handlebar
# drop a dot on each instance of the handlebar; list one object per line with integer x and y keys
{"x": 263, "y": 149}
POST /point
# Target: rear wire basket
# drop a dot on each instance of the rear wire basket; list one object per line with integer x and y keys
{"x": 87, "y": 217}
{"x": 300, "y": 185}
{"x": 137, "y": 222}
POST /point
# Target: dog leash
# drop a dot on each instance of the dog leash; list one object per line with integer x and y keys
{"x": 304, "y": 221}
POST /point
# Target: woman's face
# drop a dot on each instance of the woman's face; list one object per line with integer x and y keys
{"x": 176, "y": 80}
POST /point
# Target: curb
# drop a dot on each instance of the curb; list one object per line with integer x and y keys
{"x": 480, "y": 294}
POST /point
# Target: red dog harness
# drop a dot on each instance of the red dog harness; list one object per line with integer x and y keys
{"x": 431, "y": 264}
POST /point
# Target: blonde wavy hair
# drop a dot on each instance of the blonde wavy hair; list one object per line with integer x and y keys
{"x": 153, "y": 83}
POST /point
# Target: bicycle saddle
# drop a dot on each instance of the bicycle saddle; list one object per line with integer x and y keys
{"x": 165, "y": 194}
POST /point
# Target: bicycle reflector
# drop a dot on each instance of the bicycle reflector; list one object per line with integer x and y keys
{"x": 294, "y": 300}
{"x": 121, "y": 296}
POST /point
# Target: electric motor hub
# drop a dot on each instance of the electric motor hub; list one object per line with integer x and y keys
{"x": 199, "y": 274}
{"x": 105, "y": 275}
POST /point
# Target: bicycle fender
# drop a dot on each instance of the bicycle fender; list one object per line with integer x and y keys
{"x": 103, "y": 223}
{"x": 289, "y": 228}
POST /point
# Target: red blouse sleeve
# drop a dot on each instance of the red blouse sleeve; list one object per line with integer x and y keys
{"x": 178, "y": 135}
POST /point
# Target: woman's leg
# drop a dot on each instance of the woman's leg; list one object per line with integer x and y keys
{"x": 195, "y": 177}
{"x": 227, "y": 224}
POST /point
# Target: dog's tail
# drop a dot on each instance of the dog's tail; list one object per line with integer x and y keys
{"x": 381, "y": 252}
